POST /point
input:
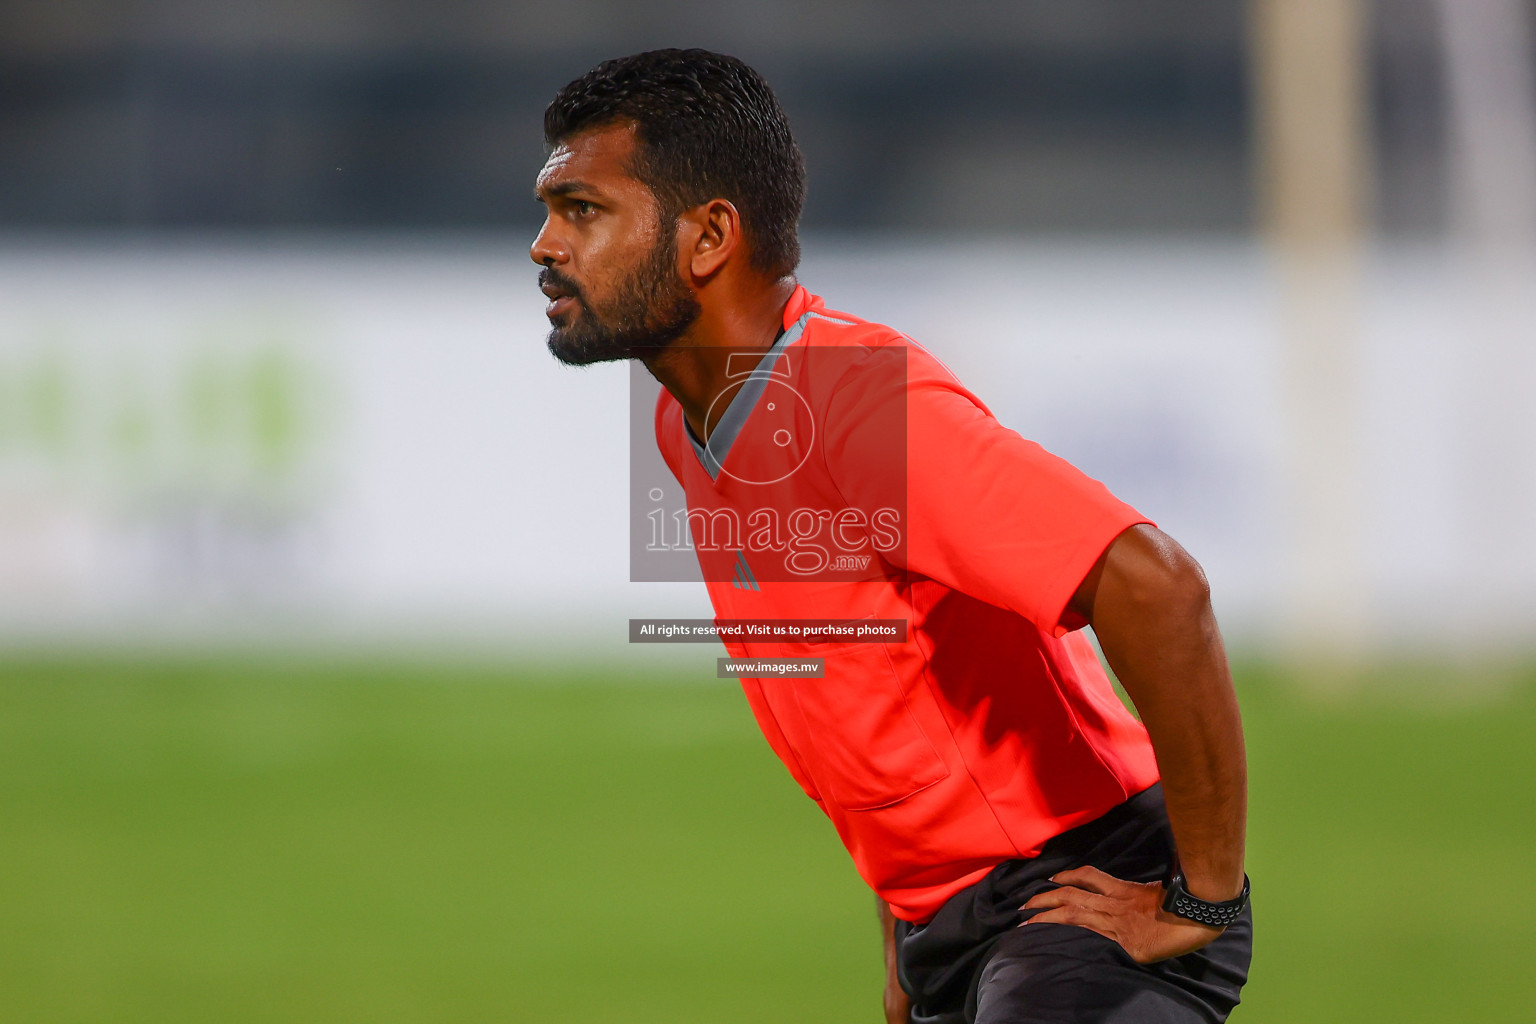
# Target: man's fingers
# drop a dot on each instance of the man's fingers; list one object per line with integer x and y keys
{"x": 1092, "y": 879}
{"x": 1066, "y": 896}
{"x": 1082, "y": 917}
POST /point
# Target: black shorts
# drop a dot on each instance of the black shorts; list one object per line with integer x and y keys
{"x": 972, "y": 964}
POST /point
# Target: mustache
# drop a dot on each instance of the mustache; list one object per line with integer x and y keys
{"x": 551, "y": 276}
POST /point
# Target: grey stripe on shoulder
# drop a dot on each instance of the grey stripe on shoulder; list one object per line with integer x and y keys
{"x": 830, "y": 319}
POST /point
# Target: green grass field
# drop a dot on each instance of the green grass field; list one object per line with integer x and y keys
{"x": 288, "y": 840}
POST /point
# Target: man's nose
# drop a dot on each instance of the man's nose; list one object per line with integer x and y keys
{"x": 547, "y": 249}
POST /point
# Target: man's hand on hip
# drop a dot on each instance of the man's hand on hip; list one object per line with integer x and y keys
{"x": 1130, "y": 913}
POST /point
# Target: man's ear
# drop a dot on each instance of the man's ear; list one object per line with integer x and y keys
{"x": 709, "y": 234}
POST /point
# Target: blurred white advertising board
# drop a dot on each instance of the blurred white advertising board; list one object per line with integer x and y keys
{"x": 364, "y": 439}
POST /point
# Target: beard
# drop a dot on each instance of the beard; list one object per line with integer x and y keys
{"x": 650, "y": 309}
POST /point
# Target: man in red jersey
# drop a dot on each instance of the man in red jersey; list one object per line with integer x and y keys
{"x": 1038, "y": 853}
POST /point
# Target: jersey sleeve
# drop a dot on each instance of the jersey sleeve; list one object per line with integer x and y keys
{"x": 986, "y": 512}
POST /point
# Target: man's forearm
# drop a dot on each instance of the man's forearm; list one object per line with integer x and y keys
{"x": 895, "y": 998}
{"x": 888, "y": 932}
{"x": 1151, "y": 612}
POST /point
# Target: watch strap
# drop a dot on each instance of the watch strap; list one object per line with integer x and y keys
{"x": 1214, "y": 914}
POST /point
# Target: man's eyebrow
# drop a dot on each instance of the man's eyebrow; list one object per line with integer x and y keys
{"x": 565, "y": 188}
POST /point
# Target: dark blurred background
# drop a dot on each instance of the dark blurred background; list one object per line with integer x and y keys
{"x": 1100, "y": 116}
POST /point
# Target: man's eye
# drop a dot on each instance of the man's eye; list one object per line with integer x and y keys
{"x": 583, "y": 208}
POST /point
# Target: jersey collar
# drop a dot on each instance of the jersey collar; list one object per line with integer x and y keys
{"x": 801, "y": 301}
{"x": 798, "y": 311}
{"x": 713, "y": 453}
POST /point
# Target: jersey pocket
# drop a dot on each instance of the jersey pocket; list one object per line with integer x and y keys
{"x": 869, "y": 747}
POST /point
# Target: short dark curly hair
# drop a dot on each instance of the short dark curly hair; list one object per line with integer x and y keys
{"x": 709, "y": 127}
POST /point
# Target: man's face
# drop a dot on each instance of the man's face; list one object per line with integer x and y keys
{"x": 610, "y": 263}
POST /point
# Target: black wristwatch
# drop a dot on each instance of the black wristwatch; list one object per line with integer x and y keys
{"x": 1217, "y": 915}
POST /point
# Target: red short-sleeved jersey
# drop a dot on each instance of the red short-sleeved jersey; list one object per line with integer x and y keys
{"x": 993, "y": 727}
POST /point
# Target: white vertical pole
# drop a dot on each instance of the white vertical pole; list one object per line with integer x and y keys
{"x": 1312, "y": 141}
